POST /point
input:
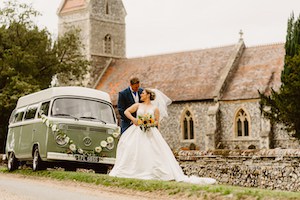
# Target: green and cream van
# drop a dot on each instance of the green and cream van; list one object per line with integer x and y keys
{"x": 69, "y": 127}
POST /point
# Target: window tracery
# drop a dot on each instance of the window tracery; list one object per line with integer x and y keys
{"x": 188, "y": 126}
{"x": 242, "y": 124}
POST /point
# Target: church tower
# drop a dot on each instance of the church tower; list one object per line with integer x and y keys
{"x": 102, "y": 25}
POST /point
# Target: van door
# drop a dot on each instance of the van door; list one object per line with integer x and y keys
{"x": 41, "y": 135}
{"x": 14, "y": 132}
{"x": 28, "y": 131}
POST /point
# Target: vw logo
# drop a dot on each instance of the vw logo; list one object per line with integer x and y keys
{"x": 87, "y": 141}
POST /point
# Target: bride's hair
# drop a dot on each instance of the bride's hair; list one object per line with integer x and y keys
{"x": 152, "y": 94}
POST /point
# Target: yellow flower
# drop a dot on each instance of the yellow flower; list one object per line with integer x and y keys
{"x": 152, "y": 120}
{"x": 146, "y": 121}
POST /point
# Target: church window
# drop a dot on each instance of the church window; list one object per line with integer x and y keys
{"x": 106, "y": 7}
{"x": 242, "y": 124}
{"x": 239, "y": 127}
{"x": 188, "y": 126}
{"x": 107, "y": 44}
{"x": 246, "y": 128}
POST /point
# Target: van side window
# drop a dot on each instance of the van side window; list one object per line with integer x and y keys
{"x": 19, "y": 115}
{"x": 30, "y": 113}
{"x": 12, "y": 117}
{"x": 44, "y": 108}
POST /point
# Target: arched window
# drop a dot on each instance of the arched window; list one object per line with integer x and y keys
{"x": 241, "y": 124}
{"x": 188, "y": 126}
{"x": 107, "y": 44}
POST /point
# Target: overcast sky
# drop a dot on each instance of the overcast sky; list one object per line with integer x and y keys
{"x": 163, "y": 26}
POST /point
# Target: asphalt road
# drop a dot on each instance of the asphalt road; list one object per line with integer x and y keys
{"x": 19, "y": 188}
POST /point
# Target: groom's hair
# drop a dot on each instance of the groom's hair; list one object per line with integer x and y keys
{"x": 134, "y": 80}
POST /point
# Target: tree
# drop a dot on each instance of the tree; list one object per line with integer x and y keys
{"x": 284, "y": 105}
{"x": 29, "y": 58}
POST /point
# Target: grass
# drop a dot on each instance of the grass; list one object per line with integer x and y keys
{"x": 170, "y": 188}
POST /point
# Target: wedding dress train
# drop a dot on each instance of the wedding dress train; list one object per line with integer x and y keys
{"x": 146, "y": 155}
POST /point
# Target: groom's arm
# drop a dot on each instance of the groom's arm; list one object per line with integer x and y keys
{"x": 122, "y": 104}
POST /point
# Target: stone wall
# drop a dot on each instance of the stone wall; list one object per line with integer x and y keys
{"x": 262, "y": 134}
{"x": 227, "y": 117}
{"x": 276, "y": 169}
{"x": 214, "y": 127}
{"x": 96, "y": 21}
{"x": 171, "y": 126}
{"x": 77, "y": 20}
{"x": 283, "y": 139}
{"x": 112, "y": 23}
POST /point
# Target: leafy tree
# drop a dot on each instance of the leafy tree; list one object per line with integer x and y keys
{"x": 284, "y": 105}
{"x": 29, "y": 58}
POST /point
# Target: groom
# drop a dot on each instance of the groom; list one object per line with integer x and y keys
{"x": 128, "y": 97}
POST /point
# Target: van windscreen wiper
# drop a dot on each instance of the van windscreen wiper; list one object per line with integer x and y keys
{"x": 93, "y": 118}
{"x": 64, "y": 114}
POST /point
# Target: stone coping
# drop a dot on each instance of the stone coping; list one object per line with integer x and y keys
{"x": 249, "y": 153}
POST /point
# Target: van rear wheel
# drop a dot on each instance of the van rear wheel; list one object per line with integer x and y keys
{"x": 37, "y": 163}
{"x": 101, "y": 169}
{"x": 12, "y": 162}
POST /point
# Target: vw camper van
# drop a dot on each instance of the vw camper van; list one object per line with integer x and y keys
{"x": 69, "y": 127}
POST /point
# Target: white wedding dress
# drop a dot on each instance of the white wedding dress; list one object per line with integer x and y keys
{"x": 146, "y": 155}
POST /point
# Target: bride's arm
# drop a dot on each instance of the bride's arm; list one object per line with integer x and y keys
{"x": 130, "y": 110}
{"x": 156, "y": 115}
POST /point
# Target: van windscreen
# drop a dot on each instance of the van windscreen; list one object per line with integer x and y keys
{"x": 83, "y": 109}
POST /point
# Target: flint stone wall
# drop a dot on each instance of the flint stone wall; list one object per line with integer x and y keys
{"x": 276, "y": 169}
{"x": 171, "y": 126}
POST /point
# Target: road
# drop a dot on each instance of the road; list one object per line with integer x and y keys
{"x": 16, "y": 187}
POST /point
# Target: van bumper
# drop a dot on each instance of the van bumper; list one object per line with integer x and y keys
{"x": 80, "y": 158}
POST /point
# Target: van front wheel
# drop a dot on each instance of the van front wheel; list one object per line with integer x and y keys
{"x": 12, "y": 162}
{"x": 37, "y": 163}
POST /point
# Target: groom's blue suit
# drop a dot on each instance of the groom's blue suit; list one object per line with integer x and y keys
{"x": 125, "y": 100}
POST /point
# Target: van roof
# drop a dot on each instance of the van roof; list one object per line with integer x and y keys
{"x": 62, "y": 91}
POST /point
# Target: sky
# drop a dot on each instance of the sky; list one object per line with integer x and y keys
{"x": 165, "y": 26}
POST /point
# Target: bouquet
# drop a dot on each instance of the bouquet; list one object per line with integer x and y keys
{"x": 146, "y": 121}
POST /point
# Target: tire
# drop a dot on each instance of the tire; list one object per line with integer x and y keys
{"x": 37, "y": 163}
{"x": 101, "y": 169}
{"x": 12, "y": 162}
{"x": 70, "y": 168}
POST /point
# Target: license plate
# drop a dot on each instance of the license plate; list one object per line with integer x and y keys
{"x": 86, "y": 158}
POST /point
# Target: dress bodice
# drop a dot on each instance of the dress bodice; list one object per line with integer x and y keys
{"x": 143, "y": 109}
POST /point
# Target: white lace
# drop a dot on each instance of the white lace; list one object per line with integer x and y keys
{"x": 161, "y": 102}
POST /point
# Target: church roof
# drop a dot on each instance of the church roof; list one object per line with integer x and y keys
{"x": 71, "y": 5}
{"x": 182, "y": 76}
{"x": 259, "y": 69}
{"x": 193, "y": 75}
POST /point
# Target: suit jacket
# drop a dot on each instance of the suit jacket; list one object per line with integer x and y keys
{"x": 125, "y": 100}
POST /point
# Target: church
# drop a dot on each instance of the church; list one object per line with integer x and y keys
{"x": 214, "y": 91}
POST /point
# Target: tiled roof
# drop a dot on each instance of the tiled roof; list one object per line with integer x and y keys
{"x": 182, "y": 76}
{"x": 192, "y": 75}
{"x": 71, "y": 5}
{"x": 259, "y": 69}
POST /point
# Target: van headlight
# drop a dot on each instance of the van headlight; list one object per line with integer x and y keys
{"x": 62, "y": 140}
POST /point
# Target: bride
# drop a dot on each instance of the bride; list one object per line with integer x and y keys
{"x": 142, "y": 152}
